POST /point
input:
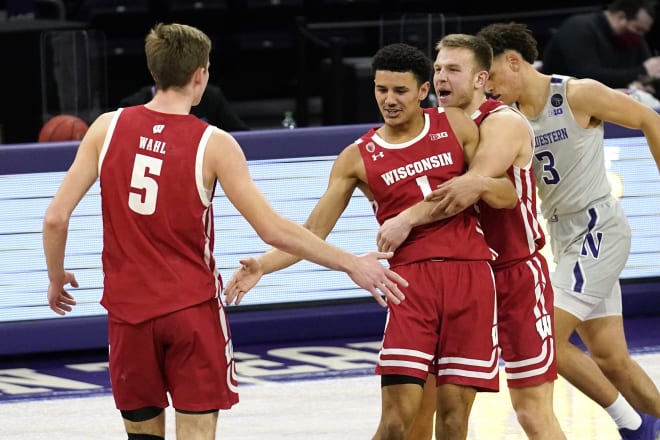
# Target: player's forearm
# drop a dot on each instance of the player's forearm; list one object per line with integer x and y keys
{"x": 276, "y": 259}
{"x": 498, "y": 192}
{"x": 420, "y": 214}
{"x": 293, "y": 243}
{"x": 54, "y": 244}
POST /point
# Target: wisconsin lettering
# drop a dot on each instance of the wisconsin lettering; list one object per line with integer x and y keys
{"x": 417, "y": 167}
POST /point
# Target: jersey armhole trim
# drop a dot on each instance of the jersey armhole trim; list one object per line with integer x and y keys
{"x": 204, "y": 194}
{"x": 108, "y": 137}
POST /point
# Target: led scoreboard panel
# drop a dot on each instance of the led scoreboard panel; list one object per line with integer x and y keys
{"x": 293, "y": 185}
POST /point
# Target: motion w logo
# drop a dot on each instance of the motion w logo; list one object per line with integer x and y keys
{"x": 592, "y": 239}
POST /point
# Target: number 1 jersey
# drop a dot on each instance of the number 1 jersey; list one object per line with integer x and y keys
{"x": 400, "y": 175}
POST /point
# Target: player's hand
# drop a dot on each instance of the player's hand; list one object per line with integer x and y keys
{"x": 244, "y": 279}
{"x": 380, "y": 281}
{"x": 392, "y": 233}
{"x": 59, "y": 300}
{"x": 455, "y": 195}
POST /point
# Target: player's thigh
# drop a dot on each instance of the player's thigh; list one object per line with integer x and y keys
{"x": 572, "y": 309}
{"x": 591, "y": 249}
{"x": 410, "y": 337}
{"x": 468, "y": 353}
{"x": 135, "y": 364}
{"x": 525, "y": 322}
{"x": 199, "y": 362}
{"x": 605, "y": 338}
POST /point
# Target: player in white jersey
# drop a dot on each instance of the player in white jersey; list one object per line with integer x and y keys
{"x": 590, "y": 236}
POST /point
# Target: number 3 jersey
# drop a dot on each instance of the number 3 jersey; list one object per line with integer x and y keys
{"x": 400, "y": 175}
{"x": 568, "y": 159}
{"x": 157, "y": 216}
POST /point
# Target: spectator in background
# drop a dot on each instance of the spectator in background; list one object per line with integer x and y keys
{"x": 607, "y": 46}
{"x": 213, "y": 108}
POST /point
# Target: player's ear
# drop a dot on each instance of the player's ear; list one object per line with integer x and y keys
{"x": 424, "y": 91}
{"x": 513, "y": 59}
{"x": 481, "y": 79}
{"x": 198, "y": 75}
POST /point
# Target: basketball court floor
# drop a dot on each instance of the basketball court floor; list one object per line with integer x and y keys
{"x": 321, "y": 390}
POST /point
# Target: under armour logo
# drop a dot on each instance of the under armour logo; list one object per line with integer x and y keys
{"x": 377, "y": 155}
{"x": 159, "y": 128}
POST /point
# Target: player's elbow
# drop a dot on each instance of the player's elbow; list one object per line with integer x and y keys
{"x": 274, "y": 233}
{"x": 54, "y": 221}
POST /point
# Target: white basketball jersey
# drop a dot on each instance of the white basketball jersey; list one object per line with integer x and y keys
{"x": 569, "y": 161}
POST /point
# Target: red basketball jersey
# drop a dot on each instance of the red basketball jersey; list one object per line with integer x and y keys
{"x": 157, "y": 216}
{"x": 399, "y": 175}
{"x": 514, "y": 234}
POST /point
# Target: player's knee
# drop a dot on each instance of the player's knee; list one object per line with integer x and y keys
{"x": 613, "y": 364}
{"x": 392, "y": 429}
{"x": 144, "y": 437}
{"x": 141, "y": 414}
{"x": 529, "y": 421}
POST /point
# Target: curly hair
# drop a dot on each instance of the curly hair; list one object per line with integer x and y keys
{"x": 511, "y": 36}
{"x": 401, "y": 57}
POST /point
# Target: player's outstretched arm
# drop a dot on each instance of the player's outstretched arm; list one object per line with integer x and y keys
{"x": 225, "y": 160}
{"x": 591, "y": 100}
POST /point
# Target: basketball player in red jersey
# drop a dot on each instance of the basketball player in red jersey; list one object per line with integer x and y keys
{"x": 524, "y": 292}
{"x": 158, "y": 168}
{"x": 449, "y": 311}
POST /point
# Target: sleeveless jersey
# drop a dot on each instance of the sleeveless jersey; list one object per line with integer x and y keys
{"x": 569, "y": 161}
{"x": 399, "y": 175}
{"x": 515, "y": 234}
{"x": 157, "y": 216}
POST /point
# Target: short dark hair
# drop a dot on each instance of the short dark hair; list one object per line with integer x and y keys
{"x": 511, "y": 36}
{"x": 402, "y": 57}
{"x": 631, "y": 7}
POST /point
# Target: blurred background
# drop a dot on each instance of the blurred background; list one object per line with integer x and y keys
{"x": 310, "y": 57}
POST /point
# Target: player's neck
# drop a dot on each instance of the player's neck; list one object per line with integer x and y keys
{"x": 534, "y": 94}
{"x": 399, "y": 133}
{"x": 478, "y": 98}
{"x": 171, "y": 101}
